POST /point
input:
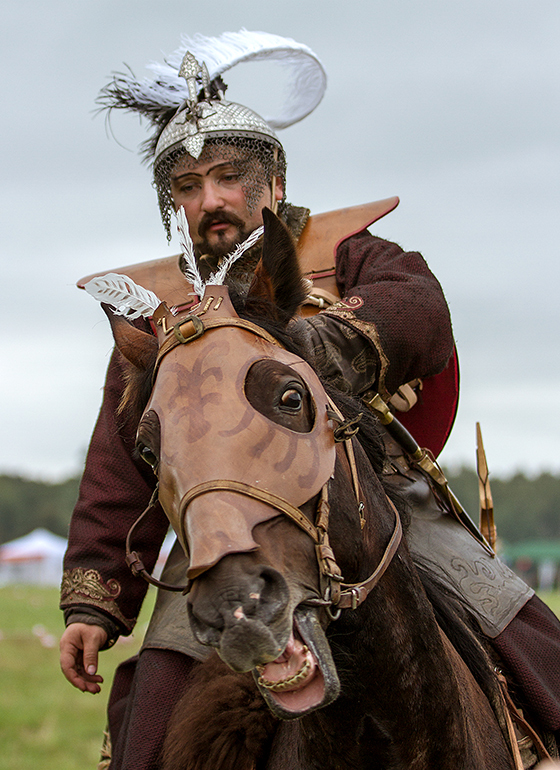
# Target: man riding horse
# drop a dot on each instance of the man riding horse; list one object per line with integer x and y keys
{"x": 388, "y": 340}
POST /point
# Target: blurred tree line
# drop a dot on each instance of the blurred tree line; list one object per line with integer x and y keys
{"x": 525, "y": 508}
{"x": 26, "y": 505}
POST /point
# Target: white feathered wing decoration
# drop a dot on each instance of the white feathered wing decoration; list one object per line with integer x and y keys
{"x": 130, "y": 300}
{"x": 218, "y": 277}
{"x": 126, "y": 297}
{"x": 189, "y": 265}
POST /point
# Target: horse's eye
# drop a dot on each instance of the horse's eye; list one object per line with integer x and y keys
{"x": 291, "y": 399}
{"x": 148, "y": 456}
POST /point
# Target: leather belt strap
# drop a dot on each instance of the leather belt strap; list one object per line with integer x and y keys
{"x": 512, "y": 714}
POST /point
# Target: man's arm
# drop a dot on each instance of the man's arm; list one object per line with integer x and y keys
{"x": 97, "y": 584}
{"x": 396, "y": 306}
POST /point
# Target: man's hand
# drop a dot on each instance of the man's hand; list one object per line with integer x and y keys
{"x": 79, "y": 646}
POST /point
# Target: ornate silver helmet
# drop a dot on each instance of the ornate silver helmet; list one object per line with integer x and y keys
{"x": 194, "y": 122}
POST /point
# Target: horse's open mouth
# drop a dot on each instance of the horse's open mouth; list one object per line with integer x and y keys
{"x": 294, "y": 679}
{"x": 303, "y": 678}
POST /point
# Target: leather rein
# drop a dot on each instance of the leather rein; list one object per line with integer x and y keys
{"x": 335, "y": 592}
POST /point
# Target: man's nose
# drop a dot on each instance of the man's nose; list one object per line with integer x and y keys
{"x": 212, "y": 198}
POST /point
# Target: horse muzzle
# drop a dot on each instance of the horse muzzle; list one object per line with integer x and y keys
{"x": 246, "y": 611}
{"x": 242, "y": 608}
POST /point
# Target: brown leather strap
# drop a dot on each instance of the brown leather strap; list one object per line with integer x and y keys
{"x": 329, "y": 572}
{"x": 192, "y": 327}
{"x": 353, "y": 594}
{"x": 512, "y": 713}
{"x": 349, "y": 449}
{"x": 240, "y": 323}
{"x": 227, "y": 485}
{"x": 134, "y": 559}
{"x": 354, "y": 470}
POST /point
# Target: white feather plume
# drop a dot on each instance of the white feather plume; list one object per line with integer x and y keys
{"x": 307, "y": 77}
{"x": 125, "y": 296}
{"x": 217, "y": 278}
{"x": 189, "y": 264}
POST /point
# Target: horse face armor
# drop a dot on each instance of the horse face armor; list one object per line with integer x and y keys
{"x": 214, "y": 487}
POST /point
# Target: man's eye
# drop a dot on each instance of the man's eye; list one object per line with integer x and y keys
{"x": 291, "y": 399}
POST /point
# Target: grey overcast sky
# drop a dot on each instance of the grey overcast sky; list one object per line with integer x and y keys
{"x": 453, "y": 106}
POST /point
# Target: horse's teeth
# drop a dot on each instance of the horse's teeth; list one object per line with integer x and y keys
{"x": 283, "y": 684}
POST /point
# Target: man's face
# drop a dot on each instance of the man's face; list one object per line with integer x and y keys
{"x": 211, "y": 192}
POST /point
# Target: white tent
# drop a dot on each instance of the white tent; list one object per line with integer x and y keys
{"x": 35, "y": 559}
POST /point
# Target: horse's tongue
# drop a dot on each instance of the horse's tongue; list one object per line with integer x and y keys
{"x": 296, "y": 659}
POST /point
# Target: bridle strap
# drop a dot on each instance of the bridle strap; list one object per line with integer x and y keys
{"x": 353, "y": 594}
{"x": 227, "y": 485}
{"x": 134, "y": 559}
{"x": 346, "y": 595}
{"x": 349, "y": 451}
{"x": 192, "y": 327}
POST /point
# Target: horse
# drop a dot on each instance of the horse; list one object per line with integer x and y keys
{"x": 299, "y": 576}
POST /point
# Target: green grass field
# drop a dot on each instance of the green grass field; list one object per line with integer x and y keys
{"x": 553, "y": 601}
{"x": 44, "y": 722}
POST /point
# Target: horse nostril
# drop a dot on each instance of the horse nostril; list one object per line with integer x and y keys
{"x": 257, "y": 598}
{"x": 206, "y": 632}
{"x": 270, "y": 599}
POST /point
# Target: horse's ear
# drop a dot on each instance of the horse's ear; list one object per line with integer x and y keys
{"x": 278, "y": 278}
{"x": 138, "y": 347}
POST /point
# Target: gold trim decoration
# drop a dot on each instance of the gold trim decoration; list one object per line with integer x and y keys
{"x": 106, "y": 751}
{"x": 81, "y": 586}
{"x": 342, "y": 310}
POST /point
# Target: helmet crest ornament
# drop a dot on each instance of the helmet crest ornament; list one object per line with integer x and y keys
{"x": 184, "y": 101}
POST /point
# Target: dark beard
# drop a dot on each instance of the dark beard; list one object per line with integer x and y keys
{"x": 223, "y": 246}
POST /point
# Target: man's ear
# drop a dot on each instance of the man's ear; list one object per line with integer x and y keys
{"x": 278, "y": 189}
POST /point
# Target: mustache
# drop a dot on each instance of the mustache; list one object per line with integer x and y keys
{"x": 218, "y": 217}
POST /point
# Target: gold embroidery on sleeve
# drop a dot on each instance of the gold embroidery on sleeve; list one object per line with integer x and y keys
{"x": 86, "y": 586}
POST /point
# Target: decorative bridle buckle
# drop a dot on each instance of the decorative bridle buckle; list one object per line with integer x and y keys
{"x": 189, "y": 329}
